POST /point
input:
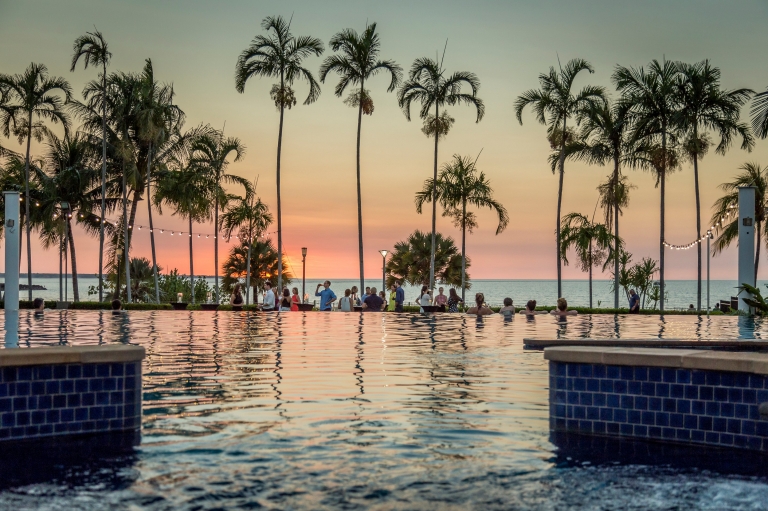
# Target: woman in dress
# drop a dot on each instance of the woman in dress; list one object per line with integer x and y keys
{"x": 285, "y": 301}
{"x": 355, "y": 298}
{"x": 236, "y": 300}
{"x": 345, "y": 303}
{"x": 295, "y": 300}
{"x": 453, "y": 301}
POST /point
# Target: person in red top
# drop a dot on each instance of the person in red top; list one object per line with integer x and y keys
{"x": 295, "y": 300}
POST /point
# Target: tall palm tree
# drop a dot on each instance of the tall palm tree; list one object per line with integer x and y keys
{"x": 604, "y": 138}
{"x": 410, "y": 261}
{"x": 250, "y": 218}
{"x": 759, "y": 113}
{"x": 429, "y": 84}
{"x": 357, "y": 62}
{"x": 458, "y": 186}
{"x": 553, "y": 104}
{"x": 653, "y": 109}
{"x": 34, "y": 101}
{"x": 186, "y": 190}
{"x": 94, "y": 50}
{"x": 728, "y": 230}
{"x": 590, "y": 240}
{"x": 705, "y": 107}
{"x": 279, "y": 55}
{"x": 210, "y": 152}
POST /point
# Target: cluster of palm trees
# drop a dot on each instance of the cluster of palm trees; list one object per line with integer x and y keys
{"x": 131, "y": 146}
{"x": 666, "y": 112}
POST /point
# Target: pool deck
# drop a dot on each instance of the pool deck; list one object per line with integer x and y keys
{"x": 736, "y": 345}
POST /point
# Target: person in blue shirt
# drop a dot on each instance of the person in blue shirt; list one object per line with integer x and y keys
{"x": 634, "y": 302}
{"x": 399, "y": 297}
{"x": 327, "y": 297}
{"x": 365, "y": 295}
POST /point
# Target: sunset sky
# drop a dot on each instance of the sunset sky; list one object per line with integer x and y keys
{"x": 195, "y": 45}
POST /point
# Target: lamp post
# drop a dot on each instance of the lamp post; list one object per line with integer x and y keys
{"x": 65, "y": 211}
{"x": 303, "y": 273}
{"x": 383, "y": 269}
{"x": 118, "y": 255}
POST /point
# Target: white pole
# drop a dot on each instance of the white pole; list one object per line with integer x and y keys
{"x": 12, "y": 240}
{"x": 709, "y": 236}
{"x": 746, "y": 243}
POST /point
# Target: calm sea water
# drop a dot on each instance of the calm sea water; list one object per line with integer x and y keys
{"x": 364, "y": 411}
{"x": 682, "y": 293}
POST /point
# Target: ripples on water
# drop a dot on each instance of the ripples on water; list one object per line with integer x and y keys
{"x": 311, "y": 410}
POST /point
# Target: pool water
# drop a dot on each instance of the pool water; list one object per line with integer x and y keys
{"x": 354, "y": 411}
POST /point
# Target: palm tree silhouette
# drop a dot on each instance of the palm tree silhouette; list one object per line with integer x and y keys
{"x": 357, "y": 62}
{"x": 553, "y": 104}
{"x": 429, "y": 85}
{"x": 280, "y": 56}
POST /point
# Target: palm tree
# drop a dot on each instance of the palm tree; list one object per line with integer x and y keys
{"x": 553, "y": 104}
{"x": 458, "y": 186}
{"x": 33, "y": 102}
{"x": 759, "y": 112}
{"x": 186, "y": 190}
{"x": 727, "y": 228}
{"x": 93, "y": 48}
{"x": 705, "y": 107}
{"x": 653, "y": 109}
{"x": 411, "y": 261}
{"x": 280, "y": 56}
{"x": 211, "y": 152}
{"x": 357, "y": 62}
{"x": 428, "y": 84}
{"x": 263, "y": 260}
{"x": 590, "y": 240}
{"x": 250, "y": 218}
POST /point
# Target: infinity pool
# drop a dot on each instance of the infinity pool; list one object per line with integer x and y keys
{"x": 351, "y": 411}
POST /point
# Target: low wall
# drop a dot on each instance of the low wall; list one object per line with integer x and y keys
{"x": 69, "y": 390}
{"x": 677, "y": 395}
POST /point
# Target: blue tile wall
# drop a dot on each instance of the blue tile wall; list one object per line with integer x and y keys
{"x": 48, "y": 400}
{"x": 680, "y": 405}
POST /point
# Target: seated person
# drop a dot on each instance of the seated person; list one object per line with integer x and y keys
{"x": 530, "y": 309}
{"x": 562, "y": 309}
{"x": 480, "y": 309}
{"x": 38, "y": 305}
{"x": 117, "y": 305}
{"x": 373, "y": 302}
{"x": 508, "y": 310}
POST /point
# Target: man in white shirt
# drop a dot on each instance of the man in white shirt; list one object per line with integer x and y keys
{"x": 269, "y": 298}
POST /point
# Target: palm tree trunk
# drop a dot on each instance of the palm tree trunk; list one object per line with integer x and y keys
{"x": 463, "y": 247}
{"x": 661, "y": 216}
{"x": 616, "y": 227}
{"x": 191, "y": 265}
{"x": 127, "y": 233}
{"x": 26, "y": 210}
{"x": 590, "y": 274}
{"x": 359, "y": 195}
{"x": 71, "y": 240}
{"x": 279, "y": 205}
{"x": 103, "y": 181}
{"x": 248, "y": 274}
{"x": 151, "y": 228}
{"x": 757, "y": 252}
{"x": 561, "y": 165}
{"x": 434, "y": 208}
{"x": 698, "y": 220}
{"x": 216, "y": 248}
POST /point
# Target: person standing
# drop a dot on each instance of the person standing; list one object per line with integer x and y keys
{"x": 345, "y": 302}
{"x": 424, "y": 298}
{"x": 295, "y": 300}
{"x": 236, "y": 300}
{"x": 268, "y": 304}
{"x": 392, "y": 298}
{"x": 365, "y": 295}
{"x": 327, "y": 297}
{"x": 355, "y": 299}
{"x": 372, "y": 302}
{"x": 285, "y": 301}
{"x": 441, "y": 300}
{"x": 453, "y": 301}
{"x": 399, "y": 297}
{"x": 634, "y": 302}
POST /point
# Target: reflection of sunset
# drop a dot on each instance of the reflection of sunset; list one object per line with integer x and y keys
{"x": 318, "y": 163}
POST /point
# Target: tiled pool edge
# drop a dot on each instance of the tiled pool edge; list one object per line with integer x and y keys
{"x": 673, "y": 395}
{"x": 70, "y": 390}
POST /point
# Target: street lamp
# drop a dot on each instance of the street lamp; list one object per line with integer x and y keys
{"x": 65, "y": 211}
{"x": 383, "y": 269}
{"x": 118, "y": 255}
{"x": 303, "y": 273}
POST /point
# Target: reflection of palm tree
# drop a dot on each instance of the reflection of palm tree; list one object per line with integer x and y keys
{"x": 553, "y": 104}
{"x": 32, "y": 102}
{"x": 357, "y": 63}
{"x": 728, "y": 232}
{"x": 280, "y": 56}
{"x": 428, "y": 85}
{"x": 93, "y": 49}
{"x": 458, "y": 186}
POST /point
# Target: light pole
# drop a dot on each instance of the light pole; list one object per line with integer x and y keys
{"x": 65, "y": 212}
{"x": 303, "y": 273}
{"x": 709, "y": 236}
{"x": 383, "y": 269}
{"x": 118, "y": 254}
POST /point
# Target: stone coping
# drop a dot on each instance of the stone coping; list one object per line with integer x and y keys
{"x": 15, "y": 357}
{"x": 649, "y": 343}
{"x": 742, "y": 362}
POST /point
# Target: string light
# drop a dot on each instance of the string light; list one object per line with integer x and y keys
{"x": 687, "y": 246}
